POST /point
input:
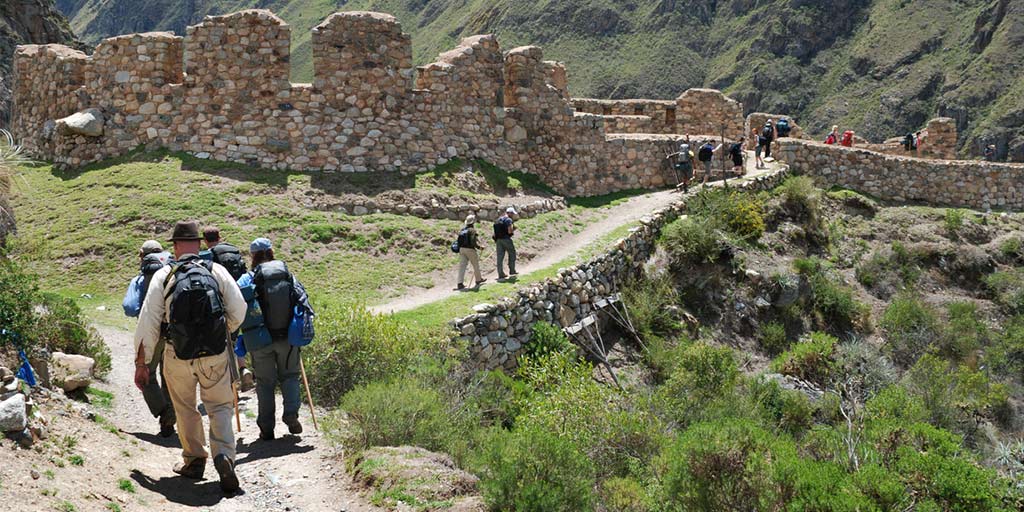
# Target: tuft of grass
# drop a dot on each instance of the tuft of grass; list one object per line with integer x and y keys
{"x": 76, "y": 460}
{"x": 126, "y": 485}
{"x": 100, "y": 398}
{"x": 112, "y": 507}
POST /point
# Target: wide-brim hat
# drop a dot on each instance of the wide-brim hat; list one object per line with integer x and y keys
{"x": 185, "y": 230}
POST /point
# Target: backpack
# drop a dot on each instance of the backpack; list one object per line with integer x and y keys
{"x": 462, "y": 240}
{"x": 274, "y": 291}
{"x": 230, "y": 258}
{"x": 501, "y": 228}
{"x": 196, "y": 323}
{"x": 151, "y": 263}
{"x": 705, "y": 153}
{"x": 766, "y": 132}
{"x": 847, "y": 139}
{"x": 684, "y": 153}
{"x": 736, "y": 150}
{"x": 782, "y": 126}
{"x": 300, "y": 329}
{"x": 831, "y": 139}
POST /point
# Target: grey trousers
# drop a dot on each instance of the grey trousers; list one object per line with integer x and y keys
{"x": 158, "y": 400}
{"x": 506, "y": 246}
{"x": 277, "y": 363}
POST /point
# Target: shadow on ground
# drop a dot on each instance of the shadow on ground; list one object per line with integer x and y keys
{"x": 177, "y": 489}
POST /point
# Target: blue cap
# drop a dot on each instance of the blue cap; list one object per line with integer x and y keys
{"x": 260, "y": 245}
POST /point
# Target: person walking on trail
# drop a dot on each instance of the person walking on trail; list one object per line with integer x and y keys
{"x": 684, "y": 163}
{"x": 275, "y": 361}
{"x": 736, "y": 152}
{"x": 705, "y": 154}
{"x": 833, "y": 136}
{"x": 768, "y": 132}
{"x": 201, "y": 304}
{"x": 990, "y": 152}
{"x": 504, "y": 229}
{"x": 758, "y": 148}
{"x": 152, "y": 258}
{"x": 468, "y": 244}
{"x": 231, "y": 259}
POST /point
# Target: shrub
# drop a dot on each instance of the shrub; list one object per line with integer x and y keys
{"x": 964, "y": 333}
{"x": 812, "y": 359}
{"x": 865, "y": 363}
{"x": 790, "y": 410}
{"x": 773, "y": 337}
{"x": 547, "y": 338}
{"x": 910, "y": 326}
{"x": 534, "y": 470}
{"x": 650, "y": 303}
{"x": 392, "y": 413}
{"x": 953, "y": 220}
{"x": 704, "y": 373}
{"x": 355, "y": 346}
{"x": 890, "y": 269}
{"x": 800, "y": 190}
{"x": 1007, "y": 355}
{"x": 954, "y": 395}
{"x": 691, "y": 241}
{"x": 1008, "y": 289}
{"x": 1010, "y": 248}
{"x": 832, "y": 301}
{"x": 623, "y": 494}
{"x": 738, "y": 213}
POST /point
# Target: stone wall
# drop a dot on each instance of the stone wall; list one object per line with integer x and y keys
{"x": 756, "y": 120}
{"x": 222, "y": 92}
{"x": 496, "y": 333}
{"x": 962, "y": 183}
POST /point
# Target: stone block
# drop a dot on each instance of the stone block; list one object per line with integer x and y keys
{"x": 71, "y": 371}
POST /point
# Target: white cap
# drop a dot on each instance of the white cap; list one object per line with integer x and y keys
{"x": 150, "y": 246}
{"x": 511, "y": 210}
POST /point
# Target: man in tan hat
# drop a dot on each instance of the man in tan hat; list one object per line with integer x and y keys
{"x": 201, "y": 304}
{"x": 469, "y": 243}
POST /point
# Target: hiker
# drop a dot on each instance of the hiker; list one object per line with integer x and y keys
{"x": 847, "y": 139}
{"x": 833, "y": 136}
{"x": 152, "y": 258}
{"x": 201, "y": 304}
{"x": 705, "y": 154}
{"x": 918, "y": 141}
{"x": 768, "y": 132}
{"x": 782, "y": 127}
{"x": 736, "y": 152}
{"x": 504, "y": 228}
{"x": 684, "y": 163}
{"x": 468, "y": 244}
{"x": 231, "y": 259}
{"x": 909, "y": 142}
{"x": 759, "y": 148}
{"x": 990, "y": 152}
{"x": 275, "y": 361}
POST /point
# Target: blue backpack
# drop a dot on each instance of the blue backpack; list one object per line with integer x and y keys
{"x": 300, "y": 330}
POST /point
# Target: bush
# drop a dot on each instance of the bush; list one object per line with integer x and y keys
{"x": 534, "y": 470}
{"x": 866, "y": 364}
{"x": 547, "y": 338}
{"x": 910, "y": 326}
{"x": 812, "y": 359}
{"x": 954, "y": 396}
{"x": 623, "y": 494}
{"x": 397, "y": 412}
{"x": 650, "y": 303}
{"x": 800, "y": 191}
{"x": 355, "y": 346}
{"x": 790, "y": 410}
{"x": 704, "y": 374}
{"x": 690, "y": 241}
{"x": 888, "y": 270}
{"x": 834, "y": 302}
{"x": 736, "y": 212}
{"x": 954, "y": 220}
{"x": 964, "y": 333}
{"x": 773, "y": 338}
{"x": 1008, "y": 289}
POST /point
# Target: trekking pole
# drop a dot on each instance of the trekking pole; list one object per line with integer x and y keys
{"x": 234, "y": 387}
{"x": 312, "y": 411}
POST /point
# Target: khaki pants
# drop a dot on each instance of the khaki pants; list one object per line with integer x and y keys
{"x": 467, "y": 256}
{"x": 212, "y": 376}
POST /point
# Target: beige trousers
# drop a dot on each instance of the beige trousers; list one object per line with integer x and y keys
{"x": 212, "y": 376}
{"x": 467, "y": 256}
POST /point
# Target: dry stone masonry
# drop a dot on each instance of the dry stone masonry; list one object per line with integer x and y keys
{"x": 496, "y": 333}
{"x": 223, "y": 92}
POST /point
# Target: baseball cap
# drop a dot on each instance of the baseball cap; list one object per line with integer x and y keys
{"x": 511, "y": 210}
{"x": 260, "y": 244}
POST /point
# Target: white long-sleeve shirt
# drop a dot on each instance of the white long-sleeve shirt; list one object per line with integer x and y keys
{"x": 156, "y": 307}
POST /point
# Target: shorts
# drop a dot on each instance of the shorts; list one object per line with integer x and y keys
{"x": 686, "y": 168}
{"x": 707, "y": 167}
{"x": 757, "y": 150}
{"x": 737, "y": 161}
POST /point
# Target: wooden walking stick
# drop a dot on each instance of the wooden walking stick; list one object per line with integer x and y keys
{"x": 234, "y": 387}
{"x": 305, "y": 382}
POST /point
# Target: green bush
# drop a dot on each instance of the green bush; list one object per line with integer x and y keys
{"x": 355, "y": 346}
{"x": 1007, "y": 288}
{"x": 1011, "y": 248}
{"x": 833, "y": 302}
{"x": 703, "y": 374}
{"x": 965, "y": 332}
{"x": 624, "y": 494}
{"x": 690, "y": 241}
{"x": 1006, "y": 356}
{"x": 397, "y": 412}
{"x": 888, "y": 270}
{"x": 955, "y": 396}
{"x": 954, "y": 220}
{"x": 812, "y": 359}
{"x": 773, "y": 338}
{"x": 533, "y": 470}
{"x": 650, "y": 303}
{"x": 800, "y": 191}
{"x": 910, "y": 326}
{"x": 789, "y": 410}
{"x": 547, "y": 338}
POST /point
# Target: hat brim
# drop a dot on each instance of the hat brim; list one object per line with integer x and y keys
{"x": 184, "y": 239}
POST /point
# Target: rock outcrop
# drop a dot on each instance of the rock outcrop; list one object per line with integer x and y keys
{"x": 71, "y": 371}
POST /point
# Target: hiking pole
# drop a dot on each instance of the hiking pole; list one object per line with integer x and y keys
{"x": 312, "y": 411}
{"x": 234, "y": 387}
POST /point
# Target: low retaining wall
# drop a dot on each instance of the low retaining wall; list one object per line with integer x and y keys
{"x": 961, "y": 183}
{"x": 488, "y": 210}
{"x": 496, "y": 333}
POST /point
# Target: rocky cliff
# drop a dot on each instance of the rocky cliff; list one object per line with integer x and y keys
{"x": 881, "y": 67}
{"x": 27, "y": 21}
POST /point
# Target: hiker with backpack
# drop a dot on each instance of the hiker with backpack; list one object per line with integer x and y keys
{"x": 279, "y": 298}
{"x": 684, "y": 163}
{"x": 504, "y": 228}
{"x": 990, "y": 153}
{"x": 705, "y": 154}
{"x": 152, "y": 258}
{"x": 758, "y": 148}
{"x": 833, "y": 136}
{"x": 909, "y": 142}
{"x": 736, "y": 152}
{"x": 231, "y": 259}
{"x": 466, "y": 246}
{"x": 768, "y": 133}
{"x": 782, "y": 127}
{"x": 201, "y": 304}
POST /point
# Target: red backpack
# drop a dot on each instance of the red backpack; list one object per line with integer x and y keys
{"x": 847, "y": 138}
{"x": 831, "y": 139}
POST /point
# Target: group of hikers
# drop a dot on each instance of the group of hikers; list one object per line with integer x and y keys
{"x": 468, "y": 243}
{"x": 707, "y": 149}
{"x": 200, "y": 313}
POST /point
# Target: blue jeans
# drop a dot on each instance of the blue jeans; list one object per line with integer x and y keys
{"x": 277, "y": 363}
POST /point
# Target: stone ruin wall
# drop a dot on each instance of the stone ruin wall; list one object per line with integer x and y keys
{"x": 960, "y": 183}
{"x": 496, "y": 333}
{"x": 223, "y": 92}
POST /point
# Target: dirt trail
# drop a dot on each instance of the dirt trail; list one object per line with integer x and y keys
{"x": 299, "y": 473}
{"x": 627, "y": 212}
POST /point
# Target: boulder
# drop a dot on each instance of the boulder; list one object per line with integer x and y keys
{"x": 13, "y": 416}
{"x": 88, "y": 122}
{"x": 71, "y": 371}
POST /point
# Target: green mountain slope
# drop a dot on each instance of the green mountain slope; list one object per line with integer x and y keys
{"x": 881, "y": 67}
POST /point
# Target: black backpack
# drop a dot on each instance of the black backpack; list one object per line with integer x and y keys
{"x": 705, "y": 153}
{"x": 767, "y": 133}
{"x": 230, "y": 258}
{"x": 151, "y": 263}
{"x": 196, "y": 323}
{"x": 274, "y": 290}
{"x": 463, "y": 239}
{"x": 782, "y": 126}
{"x": 736, "y": 150}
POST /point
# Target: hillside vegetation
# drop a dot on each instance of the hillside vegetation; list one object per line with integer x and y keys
{"x": 881, "y": 67}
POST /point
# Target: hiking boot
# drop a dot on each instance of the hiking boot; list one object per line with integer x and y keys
{"x": 480, "y": 282}
{"x": 266, "y": 435}
{"x": 226, "y": 472}
{"x": 193, "y": 470}
{"x": 294, "y": 427}
{"x": 460, "y": 287}
{"x": 248, "y": 380}
{"x": 513, "y": 273}
{"x": 166, "y": 430}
